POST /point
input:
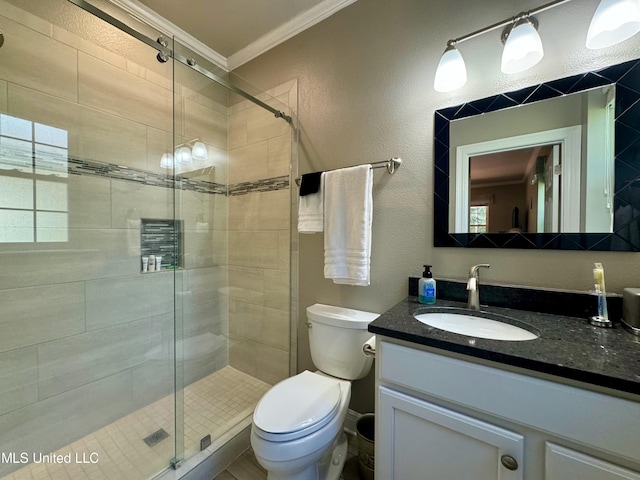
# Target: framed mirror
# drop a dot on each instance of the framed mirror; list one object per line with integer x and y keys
{"x": 552, "y": 166}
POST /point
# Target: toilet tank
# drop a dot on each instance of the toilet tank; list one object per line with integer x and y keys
{"x": 336, "y": 336}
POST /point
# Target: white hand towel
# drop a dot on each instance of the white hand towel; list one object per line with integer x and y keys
{"x": 348, "y": 212}
{"x": 311, "y": 211}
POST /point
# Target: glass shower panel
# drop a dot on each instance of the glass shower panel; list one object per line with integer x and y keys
{"x": 86, "y": 337}
{"x": 233, "y": 323}
{"x": 200, "y": 164}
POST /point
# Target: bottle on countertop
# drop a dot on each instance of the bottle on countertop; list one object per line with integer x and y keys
{"x": 427, "y": 287}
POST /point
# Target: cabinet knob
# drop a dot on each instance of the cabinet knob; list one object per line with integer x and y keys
{"x": 509, "y": 462}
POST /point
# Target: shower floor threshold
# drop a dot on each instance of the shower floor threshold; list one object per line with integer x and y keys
{"x": 213, "y": 405}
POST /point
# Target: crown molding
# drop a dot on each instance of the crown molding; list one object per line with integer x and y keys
{"x": 287, "y": 30}
{"x": 275, "y": 37}
{"x": 154, "y": 20}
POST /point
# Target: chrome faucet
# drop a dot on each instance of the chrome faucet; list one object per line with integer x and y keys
{"x": 473, "y": 286}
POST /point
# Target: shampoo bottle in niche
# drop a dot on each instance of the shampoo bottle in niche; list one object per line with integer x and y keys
{"x": 427, "y": 287}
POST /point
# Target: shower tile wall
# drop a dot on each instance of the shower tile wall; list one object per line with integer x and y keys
{"x": 259, "y": 238}
{"x": 85, "y": 338}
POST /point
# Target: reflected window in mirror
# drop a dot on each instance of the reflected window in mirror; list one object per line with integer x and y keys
{"x": 561, "y": 155}
{"x": 478, "y": 218}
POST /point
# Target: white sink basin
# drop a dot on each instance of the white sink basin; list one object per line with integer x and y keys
{"x": 475, "y": 326}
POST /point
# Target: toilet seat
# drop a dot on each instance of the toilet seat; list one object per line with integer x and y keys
{"x": 297, "y": 407}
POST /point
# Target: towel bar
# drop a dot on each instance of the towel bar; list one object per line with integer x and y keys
{"x": 391, "y": 165}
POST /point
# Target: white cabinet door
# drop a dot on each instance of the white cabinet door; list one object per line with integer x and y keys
{"x": 565, "y": 464}
{"x": 419, "y": 440}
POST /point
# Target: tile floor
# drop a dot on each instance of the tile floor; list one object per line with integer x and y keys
{"x": 212, "y": 406}
{"x": 246, "y": 467}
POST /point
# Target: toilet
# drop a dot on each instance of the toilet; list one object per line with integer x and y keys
{"x": 297, "y": 431}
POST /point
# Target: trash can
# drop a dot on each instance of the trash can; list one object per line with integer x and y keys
{"x": 365, "y": 428}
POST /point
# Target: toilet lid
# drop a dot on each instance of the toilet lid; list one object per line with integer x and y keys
{"x": 298, "y": 403}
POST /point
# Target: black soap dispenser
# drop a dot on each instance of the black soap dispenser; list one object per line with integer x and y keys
{"x": 427, "y": 287}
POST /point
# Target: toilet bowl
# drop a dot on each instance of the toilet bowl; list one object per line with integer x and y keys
{"x": 292, "y": 430}
{"x": 297, "y": 431}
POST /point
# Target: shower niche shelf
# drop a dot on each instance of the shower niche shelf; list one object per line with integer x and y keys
{"x": 163, "y": 238}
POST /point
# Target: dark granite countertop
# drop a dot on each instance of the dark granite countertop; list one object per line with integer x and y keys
{"x": 568, "y": 347}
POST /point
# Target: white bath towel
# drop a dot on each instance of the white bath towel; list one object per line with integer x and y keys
{"x": 311, "y": 211}
{"x": 348, "y": 212}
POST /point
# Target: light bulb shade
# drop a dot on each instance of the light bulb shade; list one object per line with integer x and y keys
{"x": 184, "y": 154}
{"x": 522, "y": 48}
{"x": 199, "y": 151}
{"x": 452, "y": 72}
{"x": 166, "y": 161}
{"x": 613, "y": 22}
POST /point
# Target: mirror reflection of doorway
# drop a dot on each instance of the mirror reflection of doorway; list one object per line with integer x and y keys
{"x": 516, "y": 190}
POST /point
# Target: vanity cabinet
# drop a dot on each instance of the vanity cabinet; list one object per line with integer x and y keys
{"x": 424, "y": 440}
{"x": 445, "y": 418}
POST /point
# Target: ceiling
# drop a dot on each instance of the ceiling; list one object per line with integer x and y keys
{"x": 236, "y": 30}
{"x": 504, "y": 168}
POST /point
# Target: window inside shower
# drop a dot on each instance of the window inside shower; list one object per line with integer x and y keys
{"x": 33, "y": 162}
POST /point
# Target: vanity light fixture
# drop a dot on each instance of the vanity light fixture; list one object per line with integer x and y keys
{"x": 522, "y": 48}
{"x": 199, "y": 151}
{"x": 166, "y": 161}
{"x": 185, "y": 155}
{"x": 522, "y": 45}
{"x": 452, "y": 72}
{"x": 613, "y": 22}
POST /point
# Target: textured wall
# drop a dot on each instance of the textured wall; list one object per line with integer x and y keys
{"x": 365, "y": 81}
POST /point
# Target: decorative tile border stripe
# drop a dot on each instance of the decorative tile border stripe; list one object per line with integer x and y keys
{"x": 201, "y": 186}
{"x": 267, "y": 185}
{"x": 78, "y": 166}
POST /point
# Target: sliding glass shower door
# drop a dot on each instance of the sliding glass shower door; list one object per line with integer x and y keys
{"x": 86, "y": 335}
{"x": 145, "y": 245}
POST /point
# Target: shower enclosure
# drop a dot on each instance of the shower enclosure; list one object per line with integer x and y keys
{"x": 145, "y": 244}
